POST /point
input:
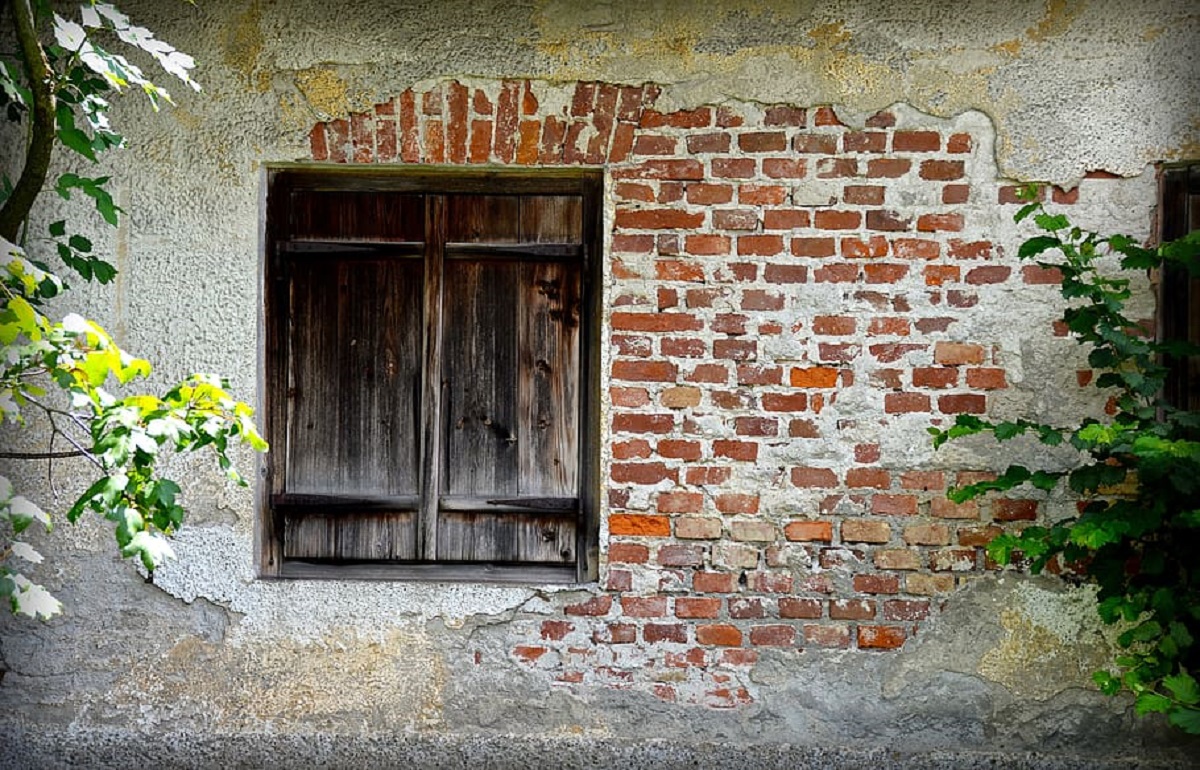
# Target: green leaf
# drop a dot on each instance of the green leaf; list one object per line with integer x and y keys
{"x": 1026, "y": 210}
{"x": 106, "y": 488}
{"x": 1108, "y": 684}
{"x": 31, "y": 599}
{"x": 25, "y": 551}
{"x": 1044, "y": 481}
{"x": 1181, "y": 635}
{"x": 152, "y": 549}
{"x": 1186, "y": 718}
{"x": 1183, "y": 688}
{"x": 76, "y": 140}
{"x": 1145, "y": 632}
{"x": 129, "y": 523}
{"x": 1052, "y": 221}
{"x": 58, "y": 229}
{"x": 22, "y": 513}
{"x": 1035, "y": 246}
{"x": 80, "y": 243}
{"x": 107, "y": 208}
{"x": 1151, "y": 702}
{"x": 1006, "y": 430}
{"x": 165, "y": 491}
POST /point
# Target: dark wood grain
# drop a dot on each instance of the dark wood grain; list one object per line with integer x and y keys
{"x": 547, "y": 318}
{"x": 506, "y": 537}
{"x": 433, "y": 385}
{"x": 428, "y": 331}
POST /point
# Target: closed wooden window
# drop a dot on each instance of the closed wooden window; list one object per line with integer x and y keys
{"x": 1179, "y": 299}
{"x": 431, "y": 375}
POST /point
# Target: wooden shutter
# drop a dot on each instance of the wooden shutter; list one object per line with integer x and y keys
{"x": 431, "y": 347}
{"x": 354, "y": 279}
{"x": 511, "y": 371}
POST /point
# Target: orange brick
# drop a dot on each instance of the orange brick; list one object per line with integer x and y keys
{"x": 719, "y": 634}
{"x": 957, "y": 353}
{"x": 814, "y": 377}
{"x": 821, "y": 531}
{"x": 638, "y": 524}
{"x": 881, "y": 637}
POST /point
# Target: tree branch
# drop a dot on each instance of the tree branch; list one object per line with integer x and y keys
{"x": 41, "y": 455}
{"x": 37, "y": 159}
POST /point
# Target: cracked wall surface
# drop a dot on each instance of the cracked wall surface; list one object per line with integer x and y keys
{"x": 941, "y": 658}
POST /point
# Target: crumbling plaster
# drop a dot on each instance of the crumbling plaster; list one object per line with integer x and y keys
{"x": 1071, "y": 86}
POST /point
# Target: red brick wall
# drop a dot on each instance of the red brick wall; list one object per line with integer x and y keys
{"x": 763, "y": 264}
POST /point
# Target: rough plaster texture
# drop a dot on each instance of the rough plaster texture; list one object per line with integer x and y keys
{"x": 233, "y": 670}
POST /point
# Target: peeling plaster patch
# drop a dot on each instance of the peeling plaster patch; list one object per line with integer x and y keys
{"x": 1052, "y": 640}
{"x": 326, "y": 93}
{"x": 342, "y": 683}
{"x": 214, "y": 564}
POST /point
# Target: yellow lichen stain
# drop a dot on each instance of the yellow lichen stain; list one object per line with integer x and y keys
{"x": 1010, "y": 47}
{"x": 295, "y": 115}
{"x": 1058, "y": 16}
{"x": 1033, "y": 662}
{"x": 1189, "y": 149}
{"x": 1055, "y": 21}
{"x": 343, "y": 683}
{"x": 190, "y": 121}
{"x": 1150, "y": 34}
{"x": 830, "y": 35}
{"x": 244, "y": 45}
{"x": 665, "y": 42}
{"x": 326, "y": 93}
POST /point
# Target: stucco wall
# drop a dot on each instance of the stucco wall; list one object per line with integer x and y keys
{"x": 994, "y": 663}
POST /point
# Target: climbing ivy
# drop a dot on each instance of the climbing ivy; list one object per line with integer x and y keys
{"x": 1137, "y": 532}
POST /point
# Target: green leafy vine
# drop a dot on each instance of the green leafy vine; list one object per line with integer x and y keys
{"x": 1137, "y": 533}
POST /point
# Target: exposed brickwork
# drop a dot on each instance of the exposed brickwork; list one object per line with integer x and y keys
{"x": 761, "y": 266}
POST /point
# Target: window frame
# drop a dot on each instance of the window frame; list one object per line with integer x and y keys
{"x": 1178, "y": 293}
{"x": 280, "y": 180}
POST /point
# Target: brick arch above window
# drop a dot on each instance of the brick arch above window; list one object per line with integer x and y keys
{"x": 531, "y": 123}
{"x": 501, "y": 122}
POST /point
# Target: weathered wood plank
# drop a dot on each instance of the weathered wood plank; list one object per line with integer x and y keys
{"x": 458, "y": 572}
{"x": 319, "y": 503}
{"x": 547, "y": 318}
{"x": 313, "y": 438}
{"x": 350, "y": 248}
{"x": 433, "y": 385}
{"x": 426, "y": 179}
{"x": 379, "y": 325}
{"x": 551, "y": 218}
{"x": 525, "y": 252}
{"x": 354, "y": 215}
{"x": 482, "y": 219}
{"x": 350, "y": 534}
{"x": 272, "y": 384}
{"x": 506, "y": 537}
{"x": 480, "y": 367}
{"x": 590, "y": 483}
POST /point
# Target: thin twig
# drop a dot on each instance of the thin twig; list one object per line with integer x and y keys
{"x": 50, "y": 469}
{"x": 41, "y": 455}
{"x": 74, "y": 418}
